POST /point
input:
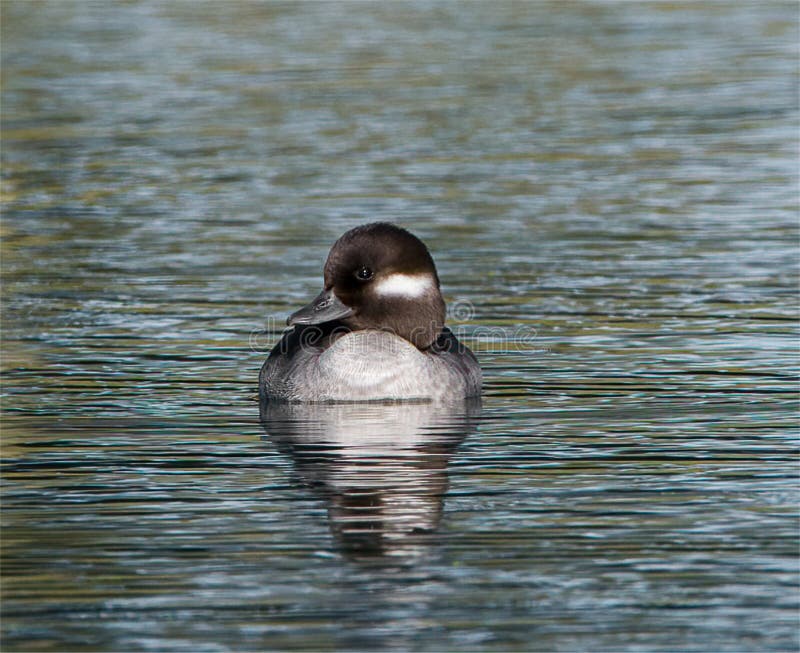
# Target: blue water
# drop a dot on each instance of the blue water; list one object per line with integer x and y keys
{"x": 610, "y": 192}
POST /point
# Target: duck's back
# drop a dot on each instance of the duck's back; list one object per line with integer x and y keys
{"x": 310, "y": 364}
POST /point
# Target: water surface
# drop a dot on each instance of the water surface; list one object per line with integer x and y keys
{"x": 610, "y": 193}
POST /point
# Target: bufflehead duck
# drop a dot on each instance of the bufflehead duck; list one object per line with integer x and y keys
{"x": 375, "y": 332}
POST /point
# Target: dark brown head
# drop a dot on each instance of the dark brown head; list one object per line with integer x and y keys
{"x": 379, "y": 276}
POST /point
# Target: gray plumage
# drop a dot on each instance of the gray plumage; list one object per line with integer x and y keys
{"x": 368, "y": 365}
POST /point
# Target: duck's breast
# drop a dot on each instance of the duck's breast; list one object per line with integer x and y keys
{"x": 370, "y": 365}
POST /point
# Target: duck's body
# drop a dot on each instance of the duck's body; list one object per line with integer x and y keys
{"x": 368, "y": 365}
{"x": 376, "y": 333}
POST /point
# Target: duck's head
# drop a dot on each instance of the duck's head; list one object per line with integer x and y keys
{"x": 380, "y": 276}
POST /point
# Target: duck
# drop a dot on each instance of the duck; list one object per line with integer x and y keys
{"x": 376, "y": 331}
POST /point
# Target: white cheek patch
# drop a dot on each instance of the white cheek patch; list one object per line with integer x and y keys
{"x": 404, "y": 285}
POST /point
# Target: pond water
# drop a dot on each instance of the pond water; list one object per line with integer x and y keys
{"x": 610, "y": 192}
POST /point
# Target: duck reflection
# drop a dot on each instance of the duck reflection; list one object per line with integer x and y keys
{"x": 381, "y": 468}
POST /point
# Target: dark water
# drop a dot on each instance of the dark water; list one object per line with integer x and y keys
{"x": 611, "y": 194}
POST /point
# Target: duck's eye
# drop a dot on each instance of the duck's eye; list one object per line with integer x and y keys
{"x": 363, "y": 273}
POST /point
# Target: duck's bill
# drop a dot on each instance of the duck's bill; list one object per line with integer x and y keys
{"x": 326, "y": 307}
